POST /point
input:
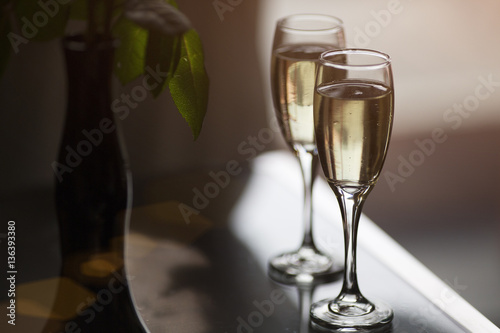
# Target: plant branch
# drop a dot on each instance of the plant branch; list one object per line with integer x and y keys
{"x": 108, "y": 18}
{"x": 91, "y": 21}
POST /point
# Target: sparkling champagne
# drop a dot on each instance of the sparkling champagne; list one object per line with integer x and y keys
{"x": 355, "y": 118}
{"x": 293, "y": 71}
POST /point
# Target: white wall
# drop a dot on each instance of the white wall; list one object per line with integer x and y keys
{"x": 439, "y": 50}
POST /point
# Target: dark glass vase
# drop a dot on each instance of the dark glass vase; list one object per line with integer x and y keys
{"x": 93, "y": 197}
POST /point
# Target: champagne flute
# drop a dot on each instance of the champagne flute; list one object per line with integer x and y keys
{"x": 353, "y": 114}
{"x": 298, "y": 42}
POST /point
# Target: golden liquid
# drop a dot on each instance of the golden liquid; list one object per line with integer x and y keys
{"x": 353, "y": 122}
{"x": 293, "y": 71}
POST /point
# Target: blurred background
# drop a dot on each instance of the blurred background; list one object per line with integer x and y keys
{"x": 437, "y": 195}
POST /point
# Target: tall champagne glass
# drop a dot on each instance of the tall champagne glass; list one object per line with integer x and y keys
{"x": 298, "y": 42}
{"x": 353, "y": 113}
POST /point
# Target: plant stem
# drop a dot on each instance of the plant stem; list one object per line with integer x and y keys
{"x": 107, "y": 18}
{"x": 91, "y": 21}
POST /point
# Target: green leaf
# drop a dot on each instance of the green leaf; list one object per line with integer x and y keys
{"x": 5, "y": 46}
{"x": 42, "y": 20}
{"x": 173, "y": 3}
{"x": 162, "y": 51}
{"x": 129, "y": 56}
{"x": 189, "y": 84}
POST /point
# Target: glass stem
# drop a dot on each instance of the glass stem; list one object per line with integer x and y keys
{"x": 351, "y": 201}
{"x": 305, "y": 301}
{"x": 308, "y": 165}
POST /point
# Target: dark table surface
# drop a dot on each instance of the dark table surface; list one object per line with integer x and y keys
{"x": 205, "y": 270}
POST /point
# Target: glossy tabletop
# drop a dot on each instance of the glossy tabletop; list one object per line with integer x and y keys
{"x": 210, "y": 275}
{"x": 198, "y": 249}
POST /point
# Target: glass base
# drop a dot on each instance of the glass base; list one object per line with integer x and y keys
{"x": 307, "y": 265}
{"x": 349, "y": 317}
